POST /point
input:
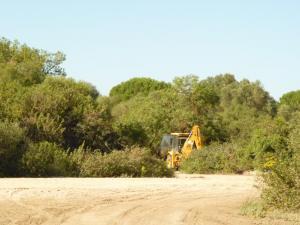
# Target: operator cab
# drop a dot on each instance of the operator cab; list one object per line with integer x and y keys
{"x": 174, "y": 141}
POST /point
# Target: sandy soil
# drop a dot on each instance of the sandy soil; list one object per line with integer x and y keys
{"x": 187, "y": 199}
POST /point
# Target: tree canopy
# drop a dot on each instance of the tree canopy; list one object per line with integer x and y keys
{"x": 134, "y": 86}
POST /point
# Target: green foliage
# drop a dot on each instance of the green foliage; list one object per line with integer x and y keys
{"x": 63, "y": 111}
{"x": 27, "y": 65}
{"x": 132, "y": 133}
{"x": 52, "y": 62}
{"x": 134, "y": 86}
{"x": 12, "y": 147}
{"x": 289, "y": 105}
{"x": 77, "y": 159}
{"x": 151, "y": 117}
{"x": 291, "y": 99}
{"x": 95, "y": 128}
{"x": 268, "y": 144}
{"x": 294, "y": 135}
{"x": 204, "y": 103}
{"x": 11, "y": 100}
{"x": 185, "y": 84}
{"x": 240, "y": 121}
{"x": 204, "y": 98}
{"x": 204, "y": 161}
{"x": 226, "y": 109}
{"x": 133, "y": 162}
{"x": 248, "y": 94}
{"x": 245, "y": 106}
{"x": 216, "y": 158}
{"x": 45, "y": 159}
{"x": 283, "y": 185}
{"x": 282, "y": 181}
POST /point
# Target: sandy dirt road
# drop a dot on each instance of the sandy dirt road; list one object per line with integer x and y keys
{"x": 187, "y": 199}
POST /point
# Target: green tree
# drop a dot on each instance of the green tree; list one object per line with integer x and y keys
{"x": 12, "y": 147}
{"x": 53, "y": 110}
{"x": 289, "y": 104}
{"x": 27, "y": 65}
{"x": 185, "y": 84}
{"x": 282, "y": 183}
{"x": 134, "y": 86}
{"x": 153, "y": 115}
{"x": 95, "y": 129}
{"x": 291, "y": 99}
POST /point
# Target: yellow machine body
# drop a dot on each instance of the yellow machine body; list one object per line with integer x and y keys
{"x": 180, "y": 145}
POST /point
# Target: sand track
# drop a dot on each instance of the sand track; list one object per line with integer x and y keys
{"x": 187, "y": 199}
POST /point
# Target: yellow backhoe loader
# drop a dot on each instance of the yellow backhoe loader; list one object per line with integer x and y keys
{"x": 176, "y": 146}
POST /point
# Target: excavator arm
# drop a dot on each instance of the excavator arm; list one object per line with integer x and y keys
{"x": 194, "y": 141}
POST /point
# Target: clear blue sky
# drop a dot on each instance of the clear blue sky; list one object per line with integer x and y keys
{"x": 107, "y": 42}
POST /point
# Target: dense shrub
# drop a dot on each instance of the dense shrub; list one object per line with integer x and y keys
{"x": 12, "y": 147}
{"x": 204, "y": 161}
{"x": 77, "y": 158}
{"x": 282, "y": 185}
{"x": 133, "y": 162}
{"x": 46, "y": 159}
{"x": 216, "y": 158}
{"x": 282, "y": 181}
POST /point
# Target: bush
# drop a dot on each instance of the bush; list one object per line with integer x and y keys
{"x": 133, "y": 162}
{"x": 12, "y": 146}
{"x": 216, "y": 158}
{"x": 282, "y": 185}
{"x": 46, "y": 159}
{"x": 268, "y": 144}
{"x": 77, "y": 158}
{"x": 282, "y": 181}
{"x": 204, "y": 161}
